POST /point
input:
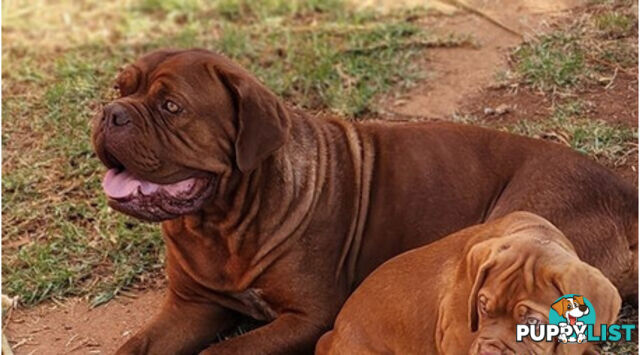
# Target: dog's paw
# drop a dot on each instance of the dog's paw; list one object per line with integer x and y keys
{"x": 138, "y": 345}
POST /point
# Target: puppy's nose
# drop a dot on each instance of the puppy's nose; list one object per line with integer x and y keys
{"x": 117, "y": 114}
{"x": 583, "y": 308}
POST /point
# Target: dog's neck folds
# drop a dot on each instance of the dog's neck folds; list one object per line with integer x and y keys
{"x": 258, "y": 216}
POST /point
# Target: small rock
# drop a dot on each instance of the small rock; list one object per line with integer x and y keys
{"x": 400, "y": 102}
{"x": 489, "y": 111}
{"x": 502, "y": 109}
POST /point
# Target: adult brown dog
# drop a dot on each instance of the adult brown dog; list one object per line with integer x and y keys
{"x": 465, "y": 294}
{"x": 272, "y": 214}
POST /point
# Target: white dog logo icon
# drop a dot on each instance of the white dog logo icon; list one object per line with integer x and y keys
{"x": 572, "y": 309}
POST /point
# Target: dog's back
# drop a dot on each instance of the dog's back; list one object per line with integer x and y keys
{"x": 432, "y": 179}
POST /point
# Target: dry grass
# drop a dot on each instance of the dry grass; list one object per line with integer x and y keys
{"x": 588, "y": 49}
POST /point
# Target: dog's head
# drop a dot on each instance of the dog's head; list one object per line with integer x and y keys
{"x": 183, "y": 121}
{"x": 516, "y": 272}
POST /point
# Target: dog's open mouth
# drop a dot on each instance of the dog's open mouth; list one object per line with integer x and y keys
{"x": 155, "y": 202}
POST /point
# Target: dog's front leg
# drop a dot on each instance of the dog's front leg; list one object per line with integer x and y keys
{"x": 181, "y": 327}
{"x": 290, "y": 333}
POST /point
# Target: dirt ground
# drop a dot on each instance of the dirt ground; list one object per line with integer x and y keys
{"x": 617, "y": 105}
{"x": 74, "y": 328}
{"x": 456, "y": 74}
{"x": 460, "y": 80}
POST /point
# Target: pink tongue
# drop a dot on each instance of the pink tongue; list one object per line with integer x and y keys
{"x": 122, "y": 184}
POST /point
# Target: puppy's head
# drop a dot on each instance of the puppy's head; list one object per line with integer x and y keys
{"x": 183, "y": 120}
{"x": 515, "y": 277}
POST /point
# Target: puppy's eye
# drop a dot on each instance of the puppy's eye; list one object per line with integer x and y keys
{"x": 482, "y": 306}
{"x": 171, "y": 106}
{"x": 533, "y": 320}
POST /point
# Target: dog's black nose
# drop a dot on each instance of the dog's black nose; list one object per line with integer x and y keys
{"x": 583, "y": 308}
{"x": 117, "y": 114}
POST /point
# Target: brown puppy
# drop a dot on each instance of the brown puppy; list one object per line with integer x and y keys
{"x": 466, "y": 293}
{"x": 275, "y": 215}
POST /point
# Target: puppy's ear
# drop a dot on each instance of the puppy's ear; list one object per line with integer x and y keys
{"x": 479, "y": 260}
{"x": 262, "y": 120}
{"x": 473, "y": 296}
{"x": 581, "y": 278}
{"x": 559, "y": 307}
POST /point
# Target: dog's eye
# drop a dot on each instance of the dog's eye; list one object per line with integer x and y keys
{"x": 533, "y": 320}
{"x": 482, "y": 306}
{"x": 171, "y": 106}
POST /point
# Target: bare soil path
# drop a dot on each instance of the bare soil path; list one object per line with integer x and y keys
{"x": 458, "y": 73}
{"x": 74, "y": 328}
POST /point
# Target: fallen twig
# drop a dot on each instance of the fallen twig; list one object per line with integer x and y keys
{"x": 609, "y": 64}
{"x": 465, "y": 6}
{"x": 613, "y": 78}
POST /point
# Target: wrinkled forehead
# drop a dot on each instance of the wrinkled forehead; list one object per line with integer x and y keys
{"x": 533, "y": 247}
{"x": 152, "y": 60}
{"x": 178, "y": 62}
{"x": 509, "y": 297}
{"x": 526, "y": 271}
{"x": 177, "y": 67}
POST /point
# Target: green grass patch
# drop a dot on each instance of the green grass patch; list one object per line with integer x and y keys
{"x": 249, "y": 11}
{"x": 581, "y": 52}
{"x": 59, "y": 236}
{"x": 571, "y": 125}
{"x": 551, "y": 62}
{"x": 615, "y": 24}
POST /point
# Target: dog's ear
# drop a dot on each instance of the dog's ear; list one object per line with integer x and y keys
{"x": 479, "y": 260}
{"x": 473, "y": 296}
{"x": 262, "y": 120}
{"x": 581, "y": 278}
{"x": 128, "y": 80}
{"x": 559, "y": 307}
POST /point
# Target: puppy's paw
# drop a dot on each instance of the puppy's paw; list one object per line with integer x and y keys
{"x": 138, "y": 345}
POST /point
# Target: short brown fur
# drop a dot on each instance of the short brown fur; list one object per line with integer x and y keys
{"x": 466, "y": 293}
{"x": 304, "y": 208}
